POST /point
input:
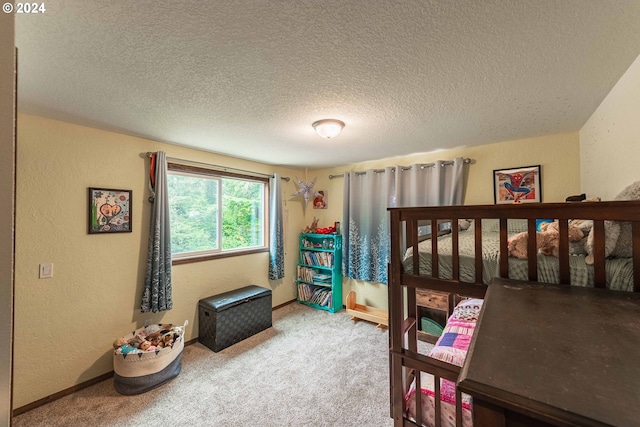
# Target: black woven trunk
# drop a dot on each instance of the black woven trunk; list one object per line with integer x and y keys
{"x": 233, "y": 316}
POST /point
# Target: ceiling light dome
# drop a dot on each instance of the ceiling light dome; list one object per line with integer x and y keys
{"x": 328, "y": 128}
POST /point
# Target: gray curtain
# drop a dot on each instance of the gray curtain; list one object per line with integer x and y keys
{"x": 366, "y": 245}
{"x": 276, "y": 237}
{"x": 437, "y": 184}
{"x": 157, "y": 282}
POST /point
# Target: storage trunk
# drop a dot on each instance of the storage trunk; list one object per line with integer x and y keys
{"x": 233, "y": 316}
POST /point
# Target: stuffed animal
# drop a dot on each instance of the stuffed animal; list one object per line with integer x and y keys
{"x": 136, "y": 341}
{"x": 464, "y": 224}
{"x": 518, "y": 243}
{"x": 553, "y": 245}
{"x": 617, "y": 234}
{"x": 547, "y": 240}
{"x": 119, "y": 343}
{"x": 152, "y": 328}
{"x": 126, "y": 349}
{"x": 311, "y": 228}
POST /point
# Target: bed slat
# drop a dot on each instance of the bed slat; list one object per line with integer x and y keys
{"x": 434, "y": 250}
{"x": 635, "y": 229}
{"x": 532, "y": 262}
{"x": 599, "y": 272}
{"x": 565, "y": 276}
{"x": 455, "y": 257}
{"x": 504, "y": 250}
{"x": 478, "y": 248}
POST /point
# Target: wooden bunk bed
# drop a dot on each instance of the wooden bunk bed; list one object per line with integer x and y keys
{"x": 466, "y": 264}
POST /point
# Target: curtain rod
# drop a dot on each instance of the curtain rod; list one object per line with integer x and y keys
{"x": 223, "y": 168}
{"x": 405, "y": 168}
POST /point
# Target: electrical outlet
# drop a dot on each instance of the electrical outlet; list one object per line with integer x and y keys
{"x": 46, "y": 270}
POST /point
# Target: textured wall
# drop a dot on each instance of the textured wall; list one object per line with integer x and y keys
{"x": 557, "y": 154}
{"x": 65, "y": 325}
{"x": 610, "y": 139}
{"x": 7, "y": 181}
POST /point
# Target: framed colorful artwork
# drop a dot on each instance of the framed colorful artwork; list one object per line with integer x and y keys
{"x": 109, "y": 211}
{"x": 517, "y": 185}
{"x": 320, "y": 201}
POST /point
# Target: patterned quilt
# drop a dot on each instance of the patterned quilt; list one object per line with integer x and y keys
{"x": 452, "y": 348}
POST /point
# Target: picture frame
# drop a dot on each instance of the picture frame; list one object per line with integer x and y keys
{"x": 109, "y": 211}
{"x": 320, "y": 201}
{"x": 517, "y": 185}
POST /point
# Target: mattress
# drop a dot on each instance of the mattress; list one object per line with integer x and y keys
{"x": 619, "y": 271}
{"x": 451, "y": 347}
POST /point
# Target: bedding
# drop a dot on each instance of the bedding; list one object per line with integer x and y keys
{"x": 619, "y": 271}
{"x": 451, "y": 347}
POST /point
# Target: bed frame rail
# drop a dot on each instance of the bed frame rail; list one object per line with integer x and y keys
{"x": 405, "y": 222}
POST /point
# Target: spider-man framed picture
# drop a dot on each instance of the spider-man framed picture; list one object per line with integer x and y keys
{"x": 517, "y": 185}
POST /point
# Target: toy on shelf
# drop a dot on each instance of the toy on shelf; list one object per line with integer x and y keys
{"x": 311, "y": 228}
{"x": 364, "y": 312}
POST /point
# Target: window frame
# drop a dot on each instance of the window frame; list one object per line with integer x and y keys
{"x": 191, "y": 257}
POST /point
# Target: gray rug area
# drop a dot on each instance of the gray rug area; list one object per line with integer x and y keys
{"x": 312, "y": 368}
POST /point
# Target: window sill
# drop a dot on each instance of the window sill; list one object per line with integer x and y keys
{"x": 208, "y": 257}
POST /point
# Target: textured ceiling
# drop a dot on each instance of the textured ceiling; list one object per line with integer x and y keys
{"x": 247, "y": 78}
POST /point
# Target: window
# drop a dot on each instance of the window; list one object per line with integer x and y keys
{"x": 214, "y": 213}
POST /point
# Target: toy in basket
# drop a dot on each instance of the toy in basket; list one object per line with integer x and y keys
{"x": 147, "y": 357}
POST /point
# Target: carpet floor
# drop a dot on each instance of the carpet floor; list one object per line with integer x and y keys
{"x": 312, "y": 368}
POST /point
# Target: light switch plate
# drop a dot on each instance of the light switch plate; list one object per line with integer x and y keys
{"x": 46, "y": 271}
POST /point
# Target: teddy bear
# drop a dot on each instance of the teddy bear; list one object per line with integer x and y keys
{"x": 518, "y": 243}
{"x": 553, "y": 248}
{"x": 547, "y": 240}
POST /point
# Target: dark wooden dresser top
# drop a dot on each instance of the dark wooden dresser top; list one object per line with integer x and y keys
{"x": 556, "y": 352}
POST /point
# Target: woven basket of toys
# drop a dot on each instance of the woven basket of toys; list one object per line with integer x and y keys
{"x": 147, "y": 357}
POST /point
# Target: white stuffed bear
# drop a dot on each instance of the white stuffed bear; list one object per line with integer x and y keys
{"x": 617, "y": 234}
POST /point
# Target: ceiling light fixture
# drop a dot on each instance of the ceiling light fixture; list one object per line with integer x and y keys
{"x": 328, "y": 128}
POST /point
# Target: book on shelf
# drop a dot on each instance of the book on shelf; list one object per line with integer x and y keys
{"x": 324, "y": 259}
{"x": 315, "y": 295}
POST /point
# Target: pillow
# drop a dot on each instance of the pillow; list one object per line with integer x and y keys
{"x": 468, "y": 309}
{"x": 617, "y": 234}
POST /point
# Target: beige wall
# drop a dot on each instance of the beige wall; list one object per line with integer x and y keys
{"x": 558, "y": 155}
{"x": 7, "y": 181}
{"x": 610, "y": 139}
{"x": 65, "y": 325}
